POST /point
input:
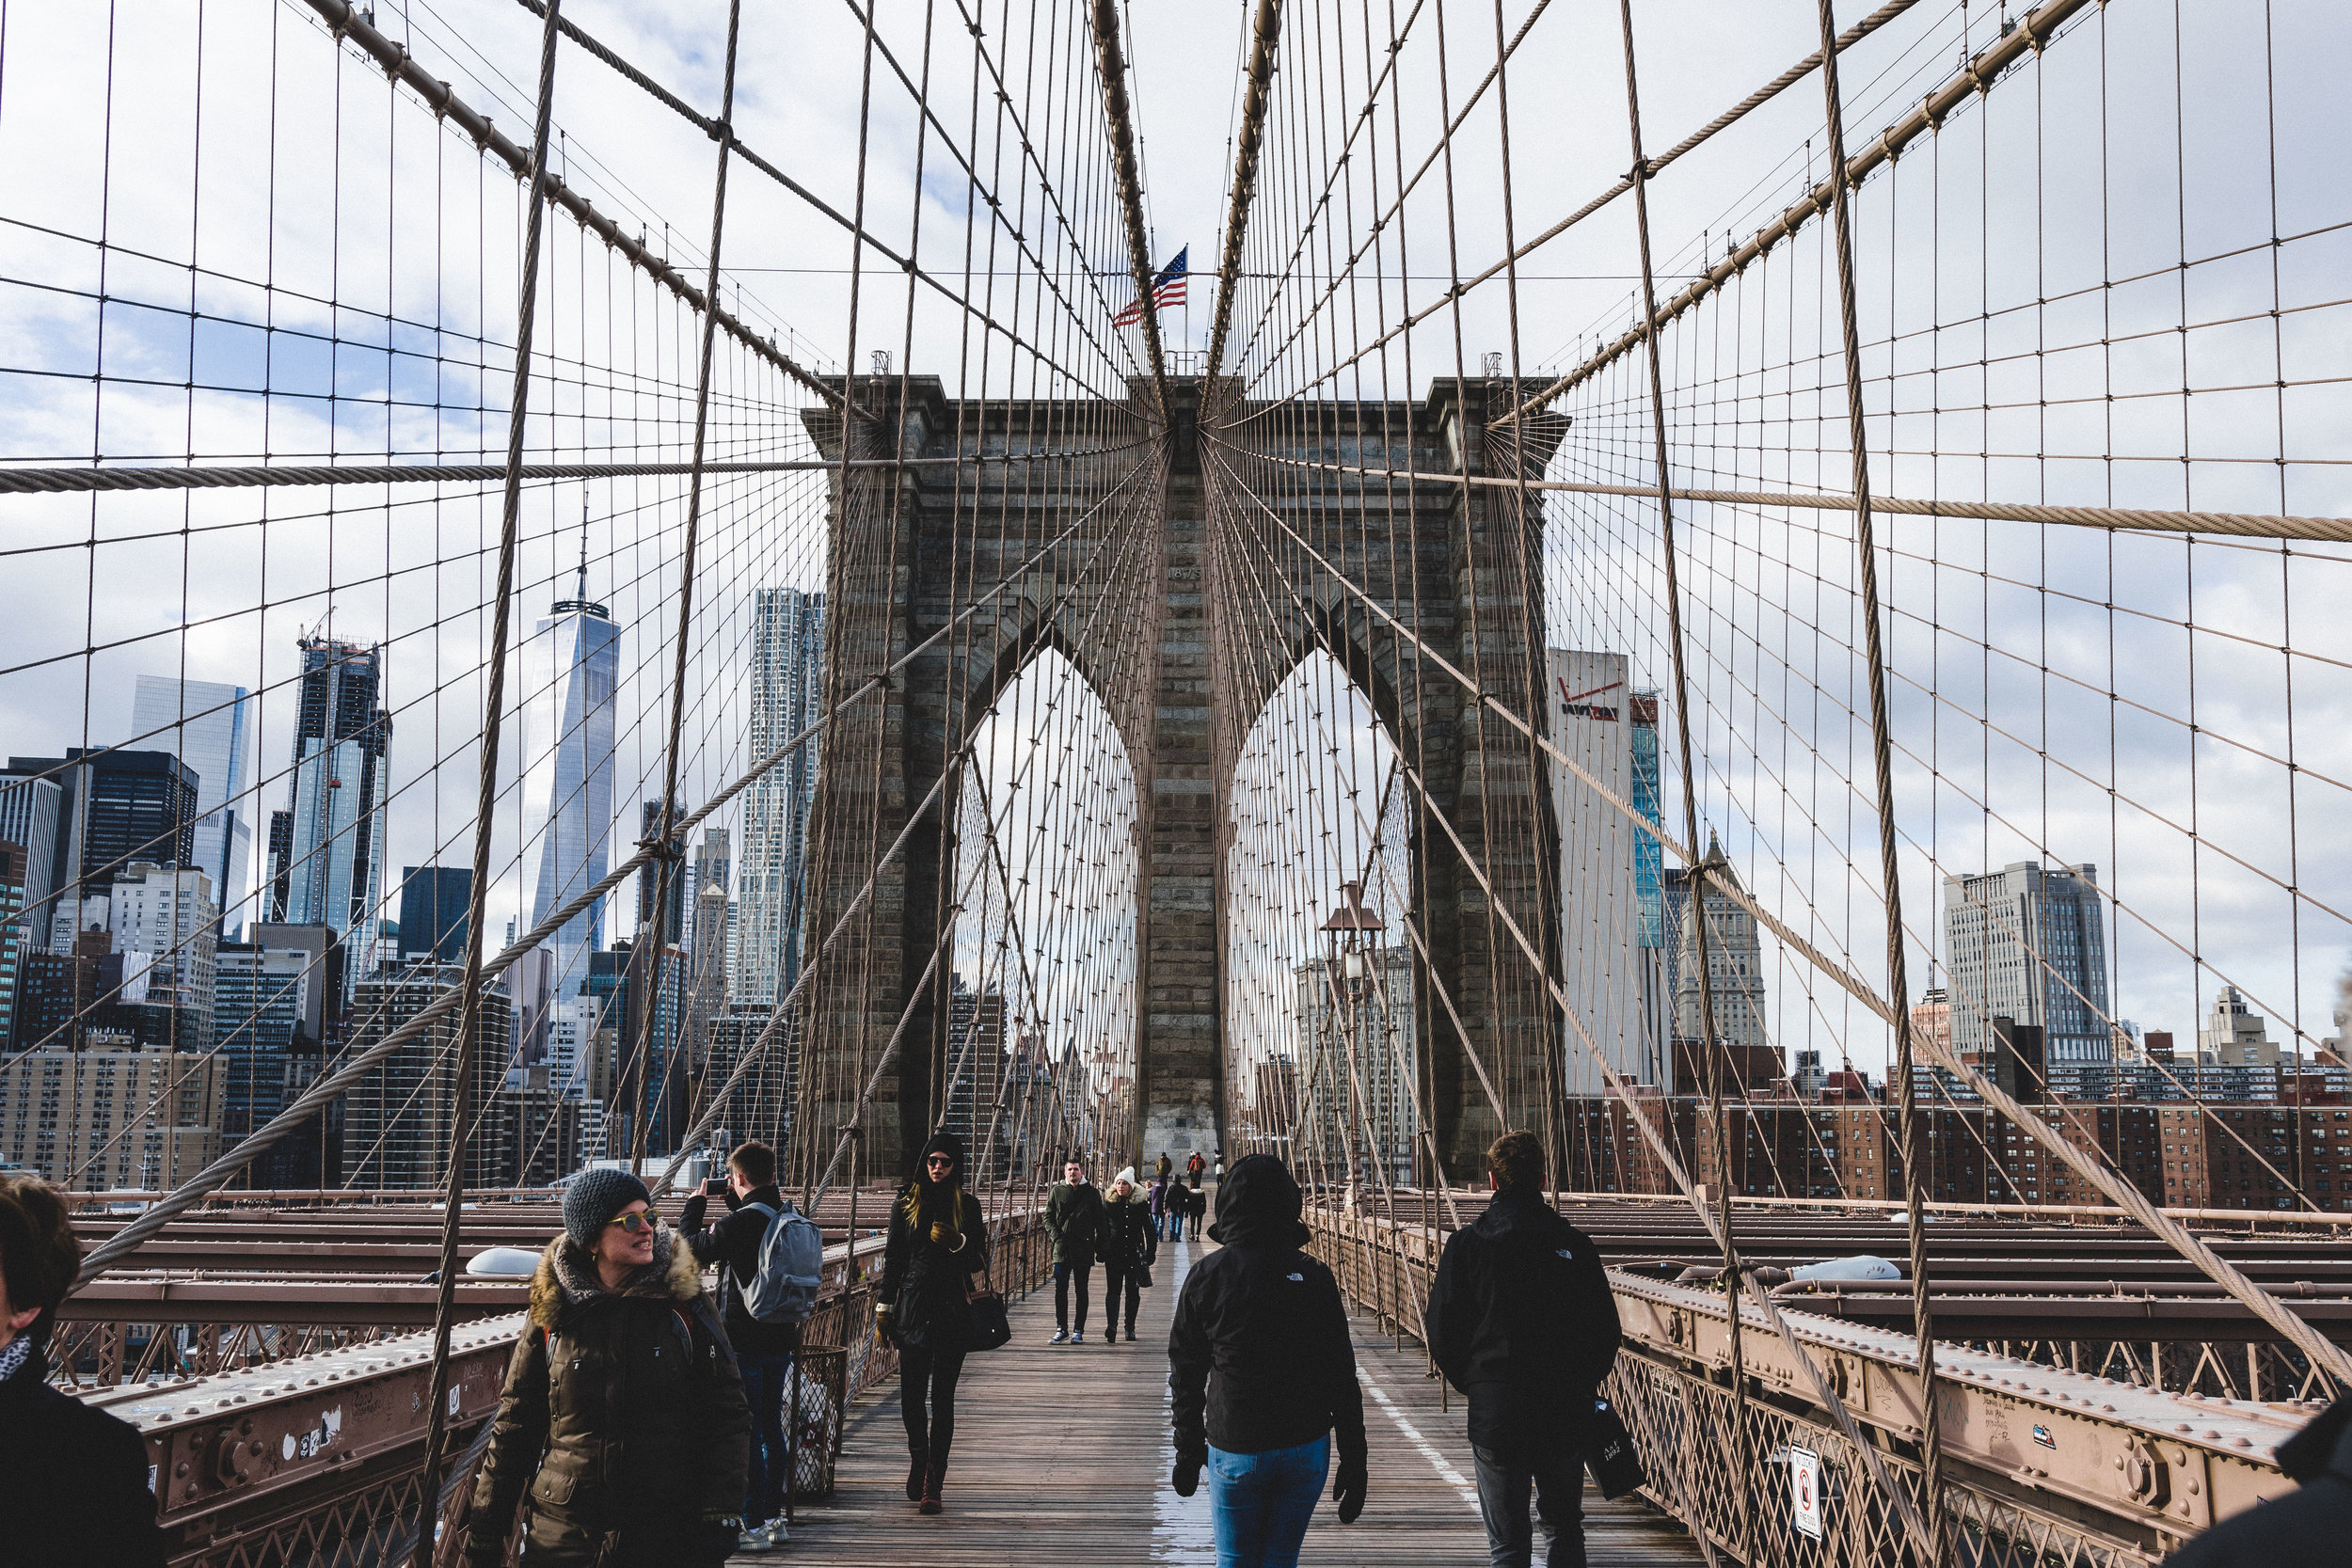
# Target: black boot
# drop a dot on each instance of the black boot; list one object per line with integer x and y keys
{"x": 934, "y": 1477}
{"x": 918, "y": 1466}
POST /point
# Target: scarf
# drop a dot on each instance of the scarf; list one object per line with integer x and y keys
{"x": 12, "y": 1359}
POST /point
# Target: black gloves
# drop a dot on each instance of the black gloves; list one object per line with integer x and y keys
{"x": 1348, "y": 1490}
{"x": 1186, "y": 1478}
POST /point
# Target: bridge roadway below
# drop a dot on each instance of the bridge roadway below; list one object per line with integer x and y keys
{"x": 1062, "y": 1456}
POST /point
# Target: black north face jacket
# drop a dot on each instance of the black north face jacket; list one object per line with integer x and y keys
{"x": 1521, "y": 1320}
{"x": 1259, "y": 1356}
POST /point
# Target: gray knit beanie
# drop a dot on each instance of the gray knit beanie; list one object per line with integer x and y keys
{"x": 592, "y": 1200}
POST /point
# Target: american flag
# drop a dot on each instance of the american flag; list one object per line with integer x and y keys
{"x": 1168, "y": 288}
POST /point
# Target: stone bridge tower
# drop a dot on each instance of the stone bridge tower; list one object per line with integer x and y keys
{"x": 1227, "y": 548}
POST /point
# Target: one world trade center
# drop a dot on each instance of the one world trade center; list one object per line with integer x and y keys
{"x": 569, "y": 668}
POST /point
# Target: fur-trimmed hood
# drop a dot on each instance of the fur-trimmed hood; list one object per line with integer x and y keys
{"x": 566, "y": 1279}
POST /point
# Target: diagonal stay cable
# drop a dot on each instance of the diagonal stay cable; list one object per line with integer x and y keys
{"x": 2027, "y": 36}
{"x": 2114, "y": 1186}
{"x": 346, "y": 21}
{"x": 470, "y": 990}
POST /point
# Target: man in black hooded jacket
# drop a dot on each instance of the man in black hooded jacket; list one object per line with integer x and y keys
{"x": 1262, "y": 1373}
{"x": 1521, "y": 1320}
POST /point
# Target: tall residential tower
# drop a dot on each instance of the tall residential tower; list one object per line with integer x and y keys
{"x": 788, "y": 692}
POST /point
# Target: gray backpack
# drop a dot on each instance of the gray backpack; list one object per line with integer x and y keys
{"x": 792, "y": 1267}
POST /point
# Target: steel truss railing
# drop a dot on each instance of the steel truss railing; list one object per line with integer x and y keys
{"x": 2043, "y": 1465}
{"x": 272, "y": 1459}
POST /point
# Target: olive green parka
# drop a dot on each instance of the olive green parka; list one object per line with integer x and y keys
{"x": 623, "y": 1415}
{"x": 1073, "y": 1223}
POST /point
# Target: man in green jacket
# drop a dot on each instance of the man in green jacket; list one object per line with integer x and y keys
{"x": 1073, "y": 1223}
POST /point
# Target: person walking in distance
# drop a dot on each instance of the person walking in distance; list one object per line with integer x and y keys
{"x": 938, "y": 1241}
{"x": 1129, "y": 1245}
{"x": 1164, "y": 1208}
{"x": 1262, "y": 1375}
{"x": 1194, "y": 1167}
{"x": 764, "y": 1348}
{"x": 1167, "y": 1167}
{"x": 72, "y": 1479}
{"x": 1521, "y": 1320}
{"x": 623, "y": 1415}
{"x": 1073, "y": 1225}
{"x": 1196, "y": 1206}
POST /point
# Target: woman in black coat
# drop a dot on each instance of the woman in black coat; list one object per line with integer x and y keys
{"x": 938, "y": 1241}
{"x": 72, "y": 1479}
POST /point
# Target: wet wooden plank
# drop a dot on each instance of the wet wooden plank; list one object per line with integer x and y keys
{"x": 1062, "y": 1456}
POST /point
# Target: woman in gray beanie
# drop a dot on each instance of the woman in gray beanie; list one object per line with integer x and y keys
{"x": 622, "y": 1413}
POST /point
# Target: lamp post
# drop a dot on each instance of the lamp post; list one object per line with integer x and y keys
{"x": 1351, "y": 944}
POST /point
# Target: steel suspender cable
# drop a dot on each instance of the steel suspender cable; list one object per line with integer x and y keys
{"x": 469, "y": 1008}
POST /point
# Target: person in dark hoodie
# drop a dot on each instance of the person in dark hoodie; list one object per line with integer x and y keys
{"x": 2307, "y": 1528}
{"x": 72, "y": 1479}
{"x": 938, "y": 1241}
{"x": 1262, "y": 1374}
{"x": 623, "y": 1415}
{"x": 763, "y": 1351}
{"x": 1521, "y": 1320}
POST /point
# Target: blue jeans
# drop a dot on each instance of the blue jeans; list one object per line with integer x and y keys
{"x": 1260, "y": 1502}
{"x": 765, "y": 1381}
{"x": 1558, "y": 1477}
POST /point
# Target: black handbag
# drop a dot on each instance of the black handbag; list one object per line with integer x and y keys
{"x": 990, "y": 1327}
{"x": 1609, "y": 1452}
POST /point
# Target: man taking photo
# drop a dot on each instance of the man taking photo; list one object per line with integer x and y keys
{"x": 1521, "y": 1320}
{"x": 764, "y": 1348}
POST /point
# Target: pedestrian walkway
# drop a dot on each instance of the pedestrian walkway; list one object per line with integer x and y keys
{"x": 1062, "y": 1456}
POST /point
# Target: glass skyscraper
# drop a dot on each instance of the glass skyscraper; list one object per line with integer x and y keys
{"x": 204, "y": 724}
{"x": 433, "y": 905}
{"x": 788, "y": 696}
{"x": 326, "y": 853}
{"x": 570, "y": 668}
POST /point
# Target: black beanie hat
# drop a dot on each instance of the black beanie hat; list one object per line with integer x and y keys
{"x": 592, "y": 1200}
{"x": 942, "y": 1143}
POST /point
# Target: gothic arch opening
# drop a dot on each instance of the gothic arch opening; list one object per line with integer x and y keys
{"x": 1322, "y": 1063}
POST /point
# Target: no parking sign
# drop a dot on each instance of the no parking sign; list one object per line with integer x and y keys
{"x": 1804, "y": 1490}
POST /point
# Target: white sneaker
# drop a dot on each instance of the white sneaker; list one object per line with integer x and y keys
{"x": 754, "y": 1539}
{"x": 1079, "y": 1338}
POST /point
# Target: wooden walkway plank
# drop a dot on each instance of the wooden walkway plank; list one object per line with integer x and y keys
{"x": 1062, "y": 1456}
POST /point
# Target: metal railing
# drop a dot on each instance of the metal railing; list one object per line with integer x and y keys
{"x": 2043, "y": 1466}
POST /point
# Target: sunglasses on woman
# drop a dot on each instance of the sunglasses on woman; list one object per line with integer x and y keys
{"x": 644, "y": 1219}
{"x": 940, "y": 1161}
